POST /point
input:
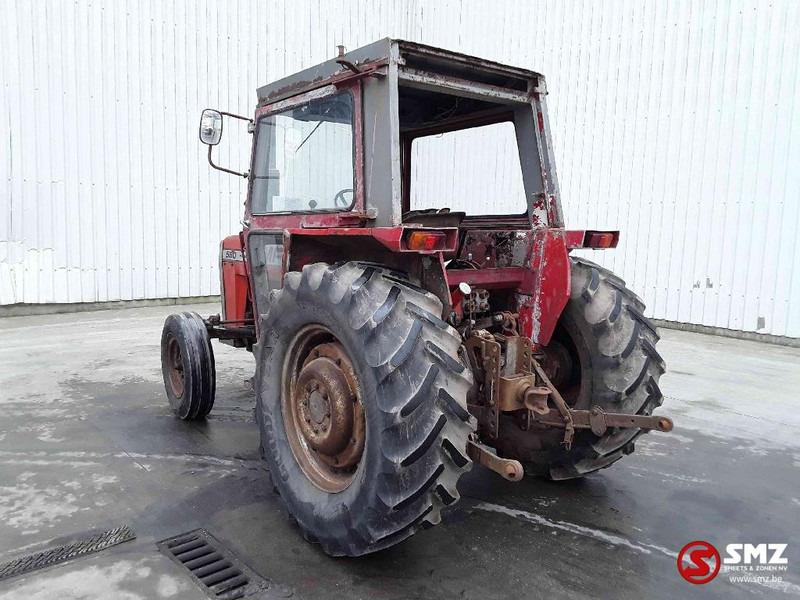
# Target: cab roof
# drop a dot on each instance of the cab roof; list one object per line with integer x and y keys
{"x": 408, "y": 57}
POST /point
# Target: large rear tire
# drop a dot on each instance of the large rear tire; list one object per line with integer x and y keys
{"x": 607, "y": 347}
{"x": 331, "y": 326}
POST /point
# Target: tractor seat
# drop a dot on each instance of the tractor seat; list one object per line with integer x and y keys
{"x": 431, "y": 217}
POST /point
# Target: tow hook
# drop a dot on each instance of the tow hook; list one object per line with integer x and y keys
{"x": 506, "y": 467}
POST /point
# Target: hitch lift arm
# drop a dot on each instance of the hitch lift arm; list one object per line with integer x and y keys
{"x": 595, "y": 418}
{"x": 519, "y": 383}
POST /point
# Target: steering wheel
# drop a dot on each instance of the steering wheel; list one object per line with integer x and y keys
{"x": 339, "y": 198}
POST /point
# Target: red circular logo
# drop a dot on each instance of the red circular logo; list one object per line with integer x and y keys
{"x": 698, "y": 562}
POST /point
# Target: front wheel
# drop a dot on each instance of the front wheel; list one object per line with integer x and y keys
{"x": 187, "y": 364}
{"x": 602, "y": 354}
{"x": 361, "y": 401}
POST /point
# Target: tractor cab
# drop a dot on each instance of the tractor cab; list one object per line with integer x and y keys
{"x": 404, "y": 280}
{"x": 405, "y": 153}
{"x": 386, "y": 111}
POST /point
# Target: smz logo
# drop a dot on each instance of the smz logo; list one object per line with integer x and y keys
{"x": 699, "y": 562}
{"x": 760, "y": 554}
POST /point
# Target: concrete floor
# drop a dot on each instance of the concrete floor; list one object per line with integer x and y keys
{"x": 87, "y": 441}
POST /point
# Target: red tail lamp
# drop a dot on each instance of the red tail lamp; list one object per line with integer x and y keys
{"x": 426, "y": 240}
{"x": 601, "y": 239}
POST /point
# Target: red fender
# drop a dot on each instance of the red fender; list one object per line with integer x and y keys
{"x": 540, "y": 309}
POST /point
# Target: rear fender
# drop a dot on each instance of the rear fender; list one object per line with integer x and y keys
{"x": 542, "y": 300}
{"x": 272, "y": 253}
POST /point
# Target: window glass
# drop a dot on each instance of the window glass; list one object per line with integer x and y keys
{"x": 475, "y": 170}
{"x": 304, "y": 158}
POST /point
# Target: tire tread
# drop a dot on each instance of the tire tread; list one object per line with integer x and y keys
{"x": 413, "y": 356}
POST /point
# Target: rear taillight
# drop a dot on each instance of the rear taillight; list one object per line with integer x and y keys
{"x": 600, "y": 239}
{"x": 426, "y": 240}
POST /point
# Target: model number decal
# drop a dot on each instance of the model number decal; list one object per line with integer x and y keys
{"x": 233, "y": 255}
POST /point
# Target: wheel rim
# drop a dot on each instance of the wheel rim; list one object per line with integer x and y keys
{"x": 323, "y": 415}
{"x": 175, "y": 364}
{"x": 558, "y": 364}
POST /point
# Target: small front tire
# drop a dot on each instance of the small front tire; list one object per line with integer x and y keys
{"x": 187, "y": 363}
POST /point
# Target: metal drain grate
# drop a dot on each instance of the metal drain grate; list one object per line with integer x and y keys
{"x": 59, "y": 554}
{"x": 212, "y": 566}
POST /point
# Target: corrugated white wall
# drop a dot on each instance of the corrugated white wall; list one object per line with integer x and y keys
{"x": 676, "y": 122}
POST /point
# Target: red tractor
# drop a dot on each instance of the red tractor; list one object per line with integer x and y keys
{"x": 405, "y": 321}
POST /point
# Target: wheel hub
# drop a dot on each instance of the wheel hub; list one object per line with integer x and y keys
{"x": 175, "y": 363}
{"x": 326, "y": 426}
{"x": 324, "y": 401}
{"x": 558, "y": 364}
{"x": 319, "y": 407}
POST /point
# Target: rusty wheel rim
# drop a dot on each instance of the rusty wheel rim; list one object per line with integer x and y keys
{"x": 323, "y": 415}
{"x": 558, "y": 363}
{"x": 563, "y": 369}
{"x": 175, "y": 364}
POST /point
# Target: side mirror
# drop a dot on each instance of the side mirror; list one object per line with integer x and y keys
{"x": 211, "y": 127}
{"x": 211, "y": 133}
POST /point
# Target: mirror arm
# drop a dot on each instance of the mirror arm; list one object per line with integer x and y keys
{"x": 218, "y": 168}
{"x": 240, "y": 117}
